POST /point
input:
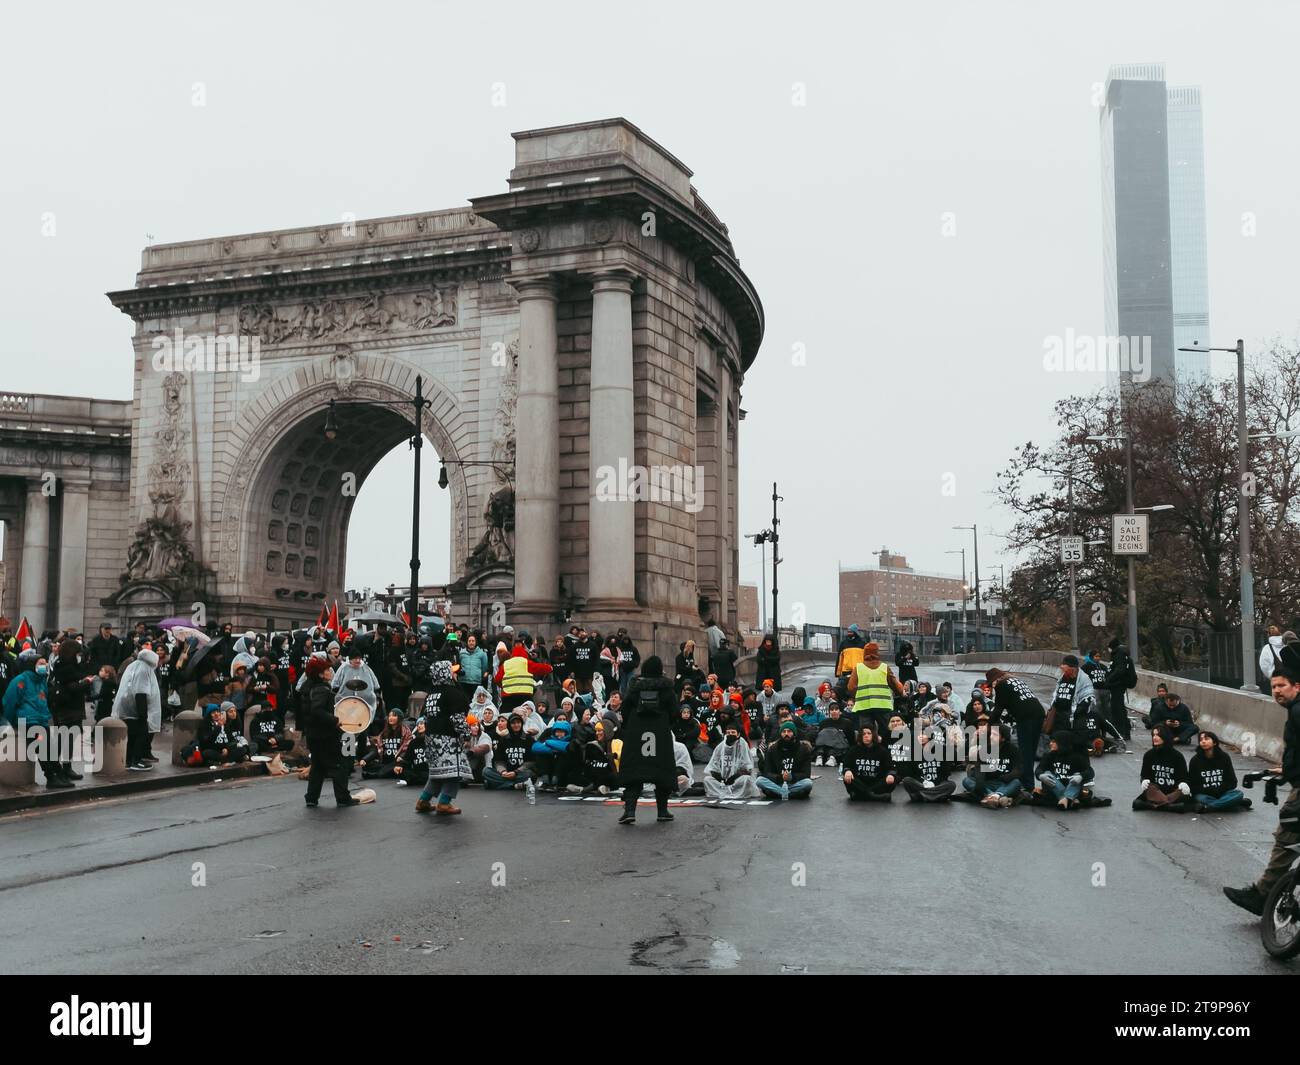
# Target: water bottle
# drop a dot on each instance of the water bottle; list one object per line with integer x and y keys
{"x": 531, "y": 788}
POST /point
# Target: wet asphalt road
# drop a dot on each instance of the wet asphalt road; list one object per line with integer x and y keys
{"x": 818, "y": 887}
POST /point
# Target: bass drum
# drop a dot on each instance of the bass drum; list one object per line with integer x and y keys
{"x": 354, "y": 714}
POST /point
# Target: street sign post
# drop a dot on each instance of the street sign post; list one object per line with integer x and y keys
{"x": 1071, "y": 550}
{"x": 1128, "y": 534}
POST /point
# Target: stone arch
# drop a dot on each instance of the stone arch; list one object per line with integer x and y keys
{"x": 281, "y": 434}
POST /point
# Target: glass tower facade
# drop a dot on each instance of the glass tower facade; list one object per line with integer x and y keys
{"x": 1153, "y": 220}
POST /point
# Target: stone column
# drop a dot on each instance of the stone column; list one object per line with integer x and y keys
{"x": 537, "y": 450}
{"x": 723, "y": 497}
{"x": 612, "y": 521}
{"x": 72, "y": 553}
{"x": 36, "y": 558}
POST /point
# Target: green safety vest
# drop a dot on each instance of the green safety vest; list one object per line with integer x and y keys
{"x": 873, "y": 691}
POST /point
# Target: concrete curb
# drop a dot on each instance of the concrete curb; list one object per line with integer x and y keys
{"x": 136, "y": 784}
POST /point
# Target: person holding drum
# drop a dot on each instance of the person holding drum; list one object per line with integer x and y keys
{"x": 325, "y": 736}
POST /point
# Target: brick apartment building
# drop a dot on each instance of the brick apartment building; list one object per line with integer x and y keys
{"x": 891, "y": 590}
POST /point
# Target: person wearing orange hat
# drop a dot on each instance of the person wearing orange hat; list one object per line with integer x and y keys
{"x": 872, "y": 685}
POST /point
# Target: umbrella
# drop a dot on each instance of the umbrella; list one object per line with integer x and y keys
{"x": 186, "y": 632}
{"x": 211, "y": 650}
{"x": 172, "y": 623}
{"x": 374, "y": 617}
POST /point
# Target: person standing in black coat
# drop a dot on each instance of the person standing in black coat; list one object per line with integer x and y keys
{"x": 723, "y": 663}
{"x": 70, "y": 681}
{"x": 1121, "y": 674}
{"x": 325, "y": 736}
{"x": 768, "y": 663}
{"x": 906, "y": 660}
{"x": 648, "y": 741}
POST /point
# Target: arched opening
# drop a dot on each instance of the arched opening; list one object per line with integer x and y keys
{"x": 379, "y": 527}
{"x": 301, "y": 545}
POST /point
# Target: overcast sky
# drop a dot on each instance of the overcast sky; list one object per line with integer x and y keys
{"x": 924, "y": 352}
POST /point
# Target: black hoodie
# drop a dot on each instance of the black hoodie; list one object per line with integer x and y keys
{"x": 930, "y": 766}
{"x": 1165, "y": 767}
{"x": 1211, "y": 776}
{"x": 793, "y": 757}
{"x": 868, "y": 764}
{"x": 1067, "y": 760}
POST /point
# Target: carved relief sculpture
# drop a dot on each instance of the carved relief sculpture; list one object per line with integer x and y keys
{"x": 371, "y": 314}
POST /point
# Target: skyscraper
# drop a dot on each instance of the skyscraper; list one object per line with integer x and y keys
{"x": 1153, "y": 219}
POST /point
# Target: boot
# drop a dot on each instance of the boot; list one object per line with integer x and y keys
{"x": 67, "y": 771}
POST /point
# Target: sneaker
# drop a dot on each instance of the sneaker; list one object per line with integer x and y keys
{"x": 1246, "y": 804}
{"x": 604, "y": 790}
{"x": 53, "y": 781}
{"x": 312, "y": 804}
{"x": 71, "y": 773}
{"x": 403, "y": 783}
{"x": 627, "y": 819}
{"x": 990, "y": 800}
{"x": 519, "y": 785}
{"x": 349, "y": 802}
{"x": 149, "y": 758}
{"x": 1248, "y": 898}
{"x": 818, "y": 760}
{"x": 1064, "y": 804}
{"x": 573, "y": 789}
{"x": 664, "y": 818}
{"x": 830, "y": 761}
{"x": 1005, "y": 801}
{"x": 140, "y": 767}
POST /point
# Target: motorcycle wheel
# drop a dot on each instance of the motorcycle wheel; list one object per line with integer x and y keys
{"x": 1279, "y": 928}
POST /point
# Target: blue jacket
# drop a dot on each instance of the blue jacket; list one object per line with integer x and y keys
{"x": 473, "y": 664}
{"x": 558, "y": 743}
{"x": 25, "y": 698}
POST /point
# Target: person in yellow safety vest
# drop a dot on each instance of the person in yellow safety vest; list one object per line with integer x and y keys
{"x": 872, "y": 685}
{"x": 517, "y": 676}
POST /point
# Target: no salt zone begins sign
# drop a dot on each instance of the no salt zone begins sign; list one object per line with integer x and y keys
{"x": 1128, "y": 534}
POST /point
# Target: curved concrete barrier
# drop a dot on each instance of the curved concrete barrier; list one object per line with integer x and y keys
{"x": 1244, "y": 719}
{"x": 747, "y": 667}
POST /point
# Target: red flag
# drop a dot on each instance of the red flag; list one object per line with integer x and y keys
{"x": 406, "y": 619}
{"x": 321, "y": 617}
{"x": 333, "y": 623}
{"x": 24, "y": 633}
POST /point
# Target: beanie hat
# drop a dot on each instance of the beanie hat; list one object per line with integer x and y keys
{"x": 788, "y": 726}
{"x": 317, "y": 665}
{"x": 1070, "y": 660}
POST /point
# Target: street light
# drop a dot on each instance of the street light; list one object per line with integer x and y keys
{"x": 331, "y": 425}
{"x": 503, "y": 468}
{"x": 760, "y": 541}
{"x": 1248, "y": 664}
{"x": 961, "y": 551}
{"x": 979, "y": 641}
{"x": 1132, "y": 570}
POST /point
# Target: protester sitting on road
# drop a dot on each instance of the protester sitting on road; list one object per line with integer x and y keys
{"x": 686, "y": 730}
{"x": 869, "y": 769}
{"x": 478, "y": 748}
{"x": 386, "y": 747}
{"x": 267, "y": 731}
{"x": 599, "y": 775}
{"x": 787, "y": 765}
{"x": 553, "y": 757}
{"x": 730, "y": 774}
{"x": 825, "y": 697}
{"x": 834, "y": 737}
{"x": 1062, "y": 772}
{"x": 510, "y": 766}
{"x": 1152, "y": 718}
{"x": 993, "y": 767}
{"x": 533, "y": 721}
{"x": 924, "y": 773}
{"x": 809, "y": 716}
{"x": 1165, "y": 783}
{"x": 413, "y": 764}
{"x": 1213, "y": 780}
{"x": 1176, "y": 716}
{"x": 217, "y": 742}
{"x": 767, "y": 701}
